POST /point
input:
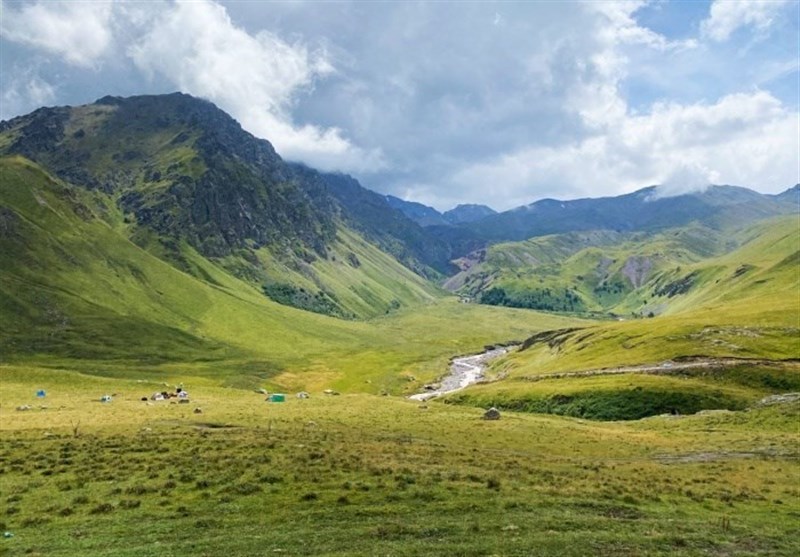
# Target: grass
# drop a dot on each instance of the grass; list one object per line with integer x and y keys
{"x": 362, "y": 280}
{"x": 633, "y": 396}
{"x": 637, "y": 273}
{"x": 365, "y": 475}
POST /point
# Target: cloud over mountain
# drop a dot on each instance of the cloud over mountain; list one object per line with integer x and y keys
{"x": 500, "y": 103}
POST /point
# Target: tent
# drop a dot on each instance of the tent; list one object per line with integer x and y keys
{"x": 277, "y": 397}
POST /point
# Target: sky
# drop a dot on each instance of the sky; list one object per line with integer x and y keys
{"x": 500, "y": 103}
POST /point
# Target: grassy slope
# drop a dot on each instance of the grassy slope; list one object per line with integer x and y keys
{"x": 728, "y": 312}
{"x": 76, "y": 293}
{"x": 620, "y": 273}
{"x": 364, "y": 280}
{"x": 360, "y": 475}
{"x": 147, "y": 157}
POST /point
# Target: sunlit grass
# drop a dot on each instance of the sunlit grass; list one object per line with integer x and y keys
{"x": 365, "y": 475}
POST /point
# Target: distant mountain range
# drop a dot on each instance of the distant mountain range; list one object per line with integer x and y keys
{"x": 428, "y": 216}
{"x": 640, "y": 210}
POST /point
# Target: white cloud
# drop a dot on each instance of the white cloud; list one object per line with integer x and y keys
{"x": 749, "y": 139}
{"x": 254, "y": 77}
{"x": 686, "y": 178}
{"x": 727, "y": 16}
{"x": 622, "y": 28}
{"x": 79, "y": 32}
{"x": 502, "y": 102}
{"x": 25, "y": 91}
{"x": 742, "y": 139}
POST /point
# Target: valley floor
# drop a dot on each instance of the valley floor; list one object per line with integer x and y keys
{"x": 368, "y": 475}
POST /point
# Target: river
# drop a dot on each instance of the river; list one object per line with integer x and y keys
{"x": 464, "y": 371}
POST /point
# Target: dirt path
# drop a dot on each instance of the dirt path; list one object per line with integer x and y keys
{"x": 665, "y": 368}
{"x": 464, "y": 371}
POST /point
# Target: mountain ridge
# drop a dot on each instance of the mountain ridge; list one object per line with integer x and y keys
{"x": 179, "y": 170}
{"x": 639, "y": 210}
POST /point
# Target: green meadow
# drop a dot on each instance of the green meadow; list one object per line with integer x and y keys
{"x": 358, "y": 474}
{"x": 587, "y": 459}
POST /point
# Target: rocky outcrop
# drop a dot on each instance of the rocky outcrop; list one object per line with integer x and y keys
{"x": 213, "y": 184}
{"x": 637, "y": 269}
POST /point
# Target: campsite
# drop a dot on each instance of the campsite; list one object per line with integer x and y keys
{"x": 359, "y": 474}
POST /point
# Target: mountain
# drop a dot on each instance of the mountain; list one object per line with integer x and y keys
{"x": 428, "y": 216}
{"x": 638, "y": 211}
{"x": 602, "y": 272}
{"x": 373, "y": 215}
{"x": 183, "y": 181}
{"x": 181, "y": 167}
{"x": 791, "y": 195}
{"x": 419, "y": 213}
{"x": 472, "y": 228}
{"x": 179, "y": 177}
{"x": 467, "y": 213}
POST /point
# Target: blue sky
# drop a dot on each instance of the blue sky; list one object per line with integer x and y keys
{"x": 500, "y": 103}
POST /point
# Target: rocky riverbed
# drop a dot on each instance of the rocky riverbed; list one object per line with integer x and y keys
{"x": 464, "y": 371}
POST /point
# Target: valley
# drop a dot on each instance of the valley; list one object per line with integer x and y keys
{"x": 150, "y": 242}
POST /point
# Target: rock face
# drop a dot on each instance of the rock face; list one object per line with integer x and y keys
{"x": 182, "y": 167}
{"x": 637, "y": 270}
{"x": 492, "y": 414}
{"x": 179, "y": 166}
{"x": 779, "y": 399}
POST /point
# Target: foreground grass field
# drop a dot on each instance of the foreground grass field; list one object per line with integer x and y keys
{"x": 366, "y": 475}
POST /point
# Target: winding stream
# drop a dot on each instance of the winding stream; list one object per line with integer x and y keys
{"x": 464, "y": 371}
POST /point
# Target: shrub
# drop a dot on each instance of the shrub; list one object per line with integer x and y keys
{"x": 103, "y": 508}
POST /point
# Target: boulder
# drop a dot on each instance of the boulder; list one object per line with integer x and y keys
{"x": 779, "y": 399}
{"x": 492, "y": 414}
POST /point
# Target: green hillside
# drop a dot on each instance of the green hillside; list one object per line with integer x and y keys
{"x": 728, "y": 336}
{"x": 605, "y": 272}
{"x": 77, "y": 292}
{"x": 178, "y": 176}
